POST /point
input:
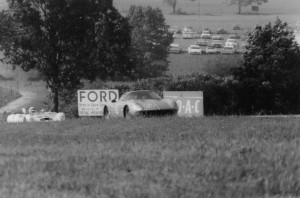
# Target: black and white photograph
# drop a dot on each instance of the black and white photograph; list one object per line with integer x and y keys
{"x": 149, "y": 98}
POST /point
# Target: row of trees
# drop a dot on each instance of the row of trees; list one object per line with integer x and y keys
{"x": 240, "y": 3}
{"x": 267, "y": 82}
{"x": 71, "y": 40}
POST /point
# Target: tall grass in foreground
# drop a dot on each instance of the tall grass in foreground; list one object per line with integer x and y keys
{"x": 153, "y": 157}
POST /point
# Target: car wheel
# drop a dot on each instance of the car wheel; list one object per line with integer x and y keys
{"x": 127, "y": 114}
{"x": 106, "y": 113}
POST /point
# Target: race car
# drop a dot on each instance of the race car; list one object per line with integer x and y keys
{"x": 140, "y": 103}
{"x": 36, "y": 117}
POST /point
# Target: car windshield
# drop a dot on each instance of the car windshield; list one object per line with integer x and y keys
{"x": 228, "y": 47}
{"x": 195, "y": 47}
{"x": 139, "y": 95}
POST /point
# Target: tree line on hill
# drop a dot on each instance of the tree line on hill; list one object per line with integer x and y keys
{"x": 71, "y": 40}
{"x": 240, "y": 3}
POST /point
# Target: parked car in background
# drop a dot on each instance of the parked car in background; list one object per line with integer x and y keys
{"x": 196, "y": 35}
{"x": 217, "y": 37}
{"x": 194, "y": 49}
{"x": 206, "y": 34}
{"x": 211, "y": 50}
{"x": 234, "y": 36}
{"x": 187, "y": 35}
{"x": 187, "y": 29}
{"x": 217, "y": 44}
{"x": 232, "y": 42}
{"x": 228, "y": 50}
{"x": 175, "y": 30}
{"x": 175, "y": 48}
{"x": 206, "y": 31}
{"x": 201, "y": 42}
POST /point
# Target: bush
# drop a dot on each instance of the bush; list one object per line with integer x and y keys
{"x": 222, "y": 31}
{"x": 270, "y": 75}
{"x": 219, "y": 92}
{"x": 156, "y": 84}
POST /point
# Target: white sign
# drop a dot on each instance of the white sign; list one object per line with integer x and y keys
{"x": 92, "y": 102}
{"x": 190, "y": 103}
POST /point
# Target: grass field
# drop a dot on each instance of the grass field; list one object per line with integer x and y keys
{"x": 218, "y": 14}
{"x": 157, "y": 157}
{"x": 153, "y": 157}
{"x": 215, "y": 7}
{"x": 181, "y": 64}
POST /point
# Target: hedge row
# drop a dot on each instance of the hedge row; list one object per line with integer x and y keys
{"x": 222, "y": 95}
{"x": 218, "y": 93}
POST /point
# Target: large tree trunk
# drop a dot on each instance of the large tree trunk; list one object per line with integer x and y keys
{"x": 55, "y": 100}
{"x": 240, "y": 6}
{"x": 174, "y": 7}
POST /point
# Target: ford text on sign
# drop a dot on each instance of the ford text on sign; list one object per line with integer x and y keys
{"x": 190, "y": 103}
{"x": 92, "y": 102}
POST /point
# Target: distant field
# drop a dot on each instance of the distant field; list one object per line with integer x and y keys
{"x": 154, "y": 157}
{"x": 214, "y": 7}
{"x": 184, "y": 63}
{"x": 218, "y": 14}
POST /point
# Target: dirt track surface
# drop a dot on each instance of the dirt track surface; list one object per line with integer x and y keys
{"x": 17, "y": 105}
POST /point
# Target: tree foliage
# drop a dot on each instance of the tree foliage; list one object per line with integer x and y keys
{"x": 66, "y": 40}
{"x": 173, "y": 4}
{"x": 269, "y": 80}
{"x": 244, "y": 3}
{"x": 150, "y": 41}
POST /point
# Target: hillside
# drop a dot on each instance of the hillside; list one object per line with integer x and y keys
{"x": 230, "y": 157}
{"x": 216, "y": 7}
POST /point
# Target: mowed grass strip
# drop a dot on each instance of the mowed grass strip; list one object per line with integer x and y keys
{"x": 153, "y": 157}
{"x": 219, "y": 64}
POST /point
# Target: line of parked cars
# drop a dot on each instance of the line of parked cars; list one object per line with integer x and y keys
{"x": 207, "y": 43}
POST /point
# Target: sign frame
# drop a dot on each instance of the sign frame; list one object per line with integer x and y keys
{"x": 190, "y": 103}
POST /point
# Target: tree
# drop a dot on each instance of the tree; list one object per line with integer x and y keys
{"x": 171, "y": 3}
{"x": 150, "y": 41}
{"x": 65, "y": 40}
{"x": 269, "y": 80}
{"x": 244, "y": 3}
